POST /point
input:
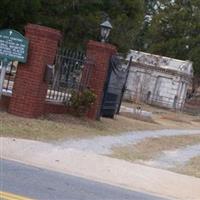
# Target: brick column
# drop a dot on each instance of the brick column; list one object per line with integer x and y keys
{"x": 30, "y": 90}
{"x": 100, "y": 53}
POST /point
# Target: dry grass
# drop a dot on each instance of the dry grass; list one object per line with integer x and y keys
{"x": 167, "y": 118}
{"x": 60, "y": 127}
{"x": 197, "y": 120}
{"x": 192, "y": 168}
{"x": 151, "y": 147}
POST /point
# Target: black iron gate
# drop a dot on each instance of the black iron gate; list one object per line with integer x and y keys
{"x": 71, "y": 72}
{"x": 114, "y": 87}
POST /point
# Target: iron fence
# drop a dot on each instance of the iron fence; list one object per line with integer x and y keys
{"x": 71, "y": 72}
{"x": 9, "y": 77}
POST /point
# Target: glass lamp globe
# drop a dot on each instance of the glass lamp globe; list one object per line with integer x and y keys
{"x": 105, "y": 30}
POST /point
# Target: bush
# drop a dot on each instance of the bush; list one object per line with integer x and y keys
{"x": 81, "y": 101}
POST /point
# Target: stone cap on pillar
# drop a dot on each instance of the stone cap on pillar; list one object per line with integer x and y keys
{"x": 43, "y": 31}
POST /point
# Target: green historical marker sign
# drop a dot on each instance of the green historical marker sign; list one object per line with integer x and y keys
{"x": 13, "y": 46}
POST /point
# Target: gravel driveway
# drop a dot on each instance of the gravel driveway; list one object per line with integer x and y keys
{"x": 104, "y": 144}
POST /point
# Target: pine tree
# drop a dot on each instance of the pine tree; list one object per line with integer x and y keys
{"x": 16, "y": 14}
{"x": 80, "y": 19}
{"x": 175, "y": 32}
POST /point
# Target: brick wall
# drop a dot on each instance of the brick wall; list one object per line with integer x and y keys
{"x": 4, "y": 102}
{"x": 29, "y": 92}
{"x": 51, "y": 107}
{"x": 100, "y": 53}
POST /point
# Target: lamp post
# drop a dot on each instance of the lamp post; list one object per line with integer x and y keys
{"x": 105, "y": 30}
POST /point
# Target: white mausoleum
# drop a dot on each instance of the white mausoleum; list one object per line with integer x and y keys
{"x": 158, "y": 80}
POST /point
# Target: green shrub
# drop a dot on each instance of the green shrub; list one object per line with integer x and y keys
{"x": 81, "y": 101}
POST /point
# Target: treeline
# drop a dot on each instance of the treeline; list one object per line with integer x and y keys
{"x": 172, "y": 28}
{"x": 169, "y": 28}
{"x": 79, "y": 20}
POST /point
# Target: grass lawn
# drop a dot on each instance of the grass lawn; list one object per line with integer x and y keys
{"x": 192, "y": 168}
{"x": 152, "y": 147}
{"x": 167, "y": 118}
{"x": 60, "y": 127}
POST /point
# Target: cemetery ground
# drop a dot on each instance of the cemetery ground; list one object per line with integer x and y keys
{"x": 154, "y": 150}
{"x": 151, "y": 151}
{"x": 61, "y": 127}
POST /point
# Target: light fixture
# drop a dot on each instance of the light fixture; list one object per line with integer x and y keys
{"x": 105, "y": 30}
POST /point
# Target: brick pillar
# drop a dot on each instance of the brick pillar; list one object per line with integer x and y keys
{"x": 100, "y": 53}
{"x": 30, "y": 90}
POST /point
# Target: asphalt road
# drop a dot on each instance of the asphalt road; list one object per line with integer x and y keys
{"x": 43, "y": 184}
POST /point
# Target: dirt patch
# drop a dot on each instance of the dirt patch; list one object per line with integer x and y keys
{"x": 153, "y": 147}
{"x": 175, "y": 118}
{"x": 192, "y": 168}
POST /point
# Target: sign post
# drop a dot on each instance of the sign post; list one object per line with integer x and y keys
{"x": 2, "y": 75}
{"x": 13, "y": 47}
